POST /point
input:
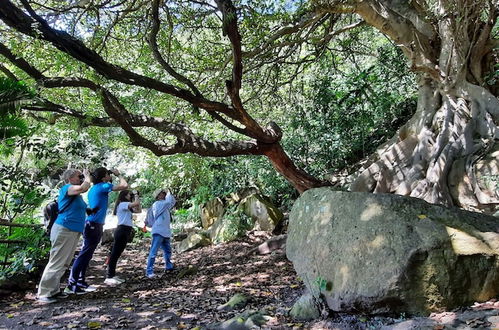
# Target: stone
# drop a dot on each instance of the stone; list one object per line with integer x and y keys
{"x": 265, "y": 215}
{"x": 236, "y": 301}
{"x": 237, "y": 197}
{"x": 211, "y": 211}
{"x": 107, "y": 236}
{"x": 193, "y": 241}
{"x": 249, "y": 319}
{"x": 376, "y": 253}
{"x": 305, "y": 308}
{"x": 232, "y": 225}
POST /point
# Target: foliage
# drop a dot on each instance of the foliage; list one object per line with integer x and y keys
{"x": 23, "y": 257}
{"x": 345, "y": 116}
{"x": 235, "y": 224}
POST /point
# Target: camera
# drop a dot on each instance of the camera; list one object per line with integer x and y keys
{"x": 134, "y": 194}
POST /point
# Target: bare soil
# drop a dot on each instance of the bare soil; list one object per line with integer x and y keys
{"x": 189, "y": 296}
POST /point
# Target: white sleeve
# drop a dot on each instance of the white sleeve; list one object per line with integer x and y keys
{"x": 123, "y": 206}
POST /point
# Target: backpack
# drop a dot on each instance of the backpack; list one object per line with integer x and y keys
{"x": 50, "y": 213}
{"x": 149, "y": 220}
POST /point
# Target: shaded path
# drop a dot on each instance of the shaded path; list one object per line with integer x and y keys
{"x": 191, "y": 302}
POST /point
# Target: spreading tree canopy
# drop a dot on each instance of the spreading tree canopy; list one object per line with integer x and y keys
{"x": 167, "y": 72}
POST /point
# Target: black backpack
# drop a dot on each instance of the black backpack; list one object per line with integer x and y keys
{"x": 50, "y": 213}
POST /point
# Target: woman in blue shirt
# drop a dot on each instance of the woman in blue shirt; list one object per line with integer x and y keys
{"x": 65, "y": 233}
{"x": 98, "y": 198}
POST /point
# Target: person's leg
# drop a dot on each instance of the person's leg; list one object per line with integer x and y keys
{"x": 167, "y": 253}
{"x": 156, "y": 242}
{"x": 91, "y": 238}
{"x": 63, "y": 243}
{"x": 120, "y": 241}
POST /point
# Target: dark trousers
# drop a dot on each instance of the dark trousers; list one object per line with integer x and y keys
{"x": 121, "y": 235}
{"x": 92, "y": 235}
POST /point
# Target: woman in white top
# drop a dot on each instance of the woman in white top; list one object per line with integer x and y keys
{"x": 126, "y": 203}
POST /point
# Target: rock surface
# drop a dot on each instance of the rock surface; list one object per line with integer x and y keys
{"x": 377, "y": 253}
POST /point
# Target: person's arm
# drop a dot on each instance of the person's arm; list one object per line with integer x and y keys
{"x": 80, "y": 189}
{"x": 122, "y": 185}
{"x": 135, "y": 205}
{"x": 170, "y": 201}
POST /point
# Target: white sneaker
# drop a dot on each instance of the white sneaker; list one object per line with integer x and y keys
{"x": 90, "y": 288}
{"x": 119, "y": 279}
{"x": 112, "y": 281}
{"x": 151, "y": 275}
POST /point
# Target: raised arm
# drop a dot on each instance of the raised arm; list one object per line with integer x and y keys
{"x": 123, "y": 184}
{"x": 83, "y": 187}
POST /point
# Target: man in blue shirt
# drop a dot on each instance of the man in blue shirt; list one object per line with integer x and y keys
{"x": 98, "y": 197}
{"x": 64, "y": 234}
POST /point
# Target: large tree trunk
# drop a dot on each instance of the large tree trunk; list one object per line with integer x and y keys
{"x": 435, "y": 156}
{"x": 447, "y": 151}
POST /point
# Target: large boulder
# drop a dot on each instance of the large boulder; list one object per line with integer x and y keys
{"x": 377, "y": 253}
{"x": 232, "y": 225}
{"x": 211, "y": 211}
{"x": 265, "y": 215}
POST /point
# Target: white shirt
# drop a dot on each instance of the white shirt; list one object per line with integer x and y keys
{"x": 124, "y": 214}
{"x": 161, "y": 211}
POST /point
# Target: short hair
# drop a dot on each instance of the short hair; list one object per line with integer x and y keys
{"x": 68, "y": 174}
{"x": 98, "y": 174}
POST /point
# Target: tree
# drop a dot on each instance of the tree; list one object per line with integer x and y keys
{"x": 107, "y": 78}
{"x": 175, "y": 57}
{"x": 453, "y": 45}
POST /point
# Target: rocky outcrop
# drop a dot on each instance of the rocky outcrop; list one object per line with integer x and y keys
{"x": 193, "y": 241}
{"x": 211, "y": 211}
{"x": 377, "y": 253}
{"x": 264, "y": 214}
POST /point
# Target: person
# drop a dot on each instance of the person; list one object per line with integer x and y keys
{"x": 98, "y": 197}
{"x": 126, "y": 203}
{"x": 160, "y": 231}
{"x": 64, "y": 234}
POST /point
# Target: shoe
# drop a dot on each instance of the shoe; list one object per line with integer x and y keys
{"x": 86, "y": 287}
{"x": 119, "y": 279}
{"x": 75, "y": 289}
{"x": 151, "y": 275}
{"x": 112, "y": 281}
{"x": 61, "y": 295}
{"x": 169, "y": 267}
{"x": 46, "y": 300}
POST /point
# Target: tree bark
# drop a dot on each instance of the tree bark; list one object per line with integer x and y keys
{"x": 454, "y": 131}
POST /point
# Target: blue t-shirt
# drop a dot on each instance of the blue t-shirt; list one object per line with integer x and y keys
{"x": 98, "y": 196}
{"x": 72, "y": 216}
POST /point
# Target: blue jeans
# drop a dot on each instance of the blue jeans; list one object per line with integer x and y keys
{"x": 164, "y": 243}
{"x": 92, "y": 235}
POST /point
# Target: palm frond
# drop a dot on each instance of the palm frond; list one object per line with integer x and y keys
{"x": 13, "y": 95}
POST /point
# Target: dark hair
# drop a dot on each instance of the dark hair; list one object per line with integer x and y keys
{"x": 121, "y": 198}
{"x": 98, "y": 174}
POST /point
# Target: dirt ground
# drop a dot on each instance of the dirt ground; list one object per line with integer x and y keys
{"x": 189, "y": 297}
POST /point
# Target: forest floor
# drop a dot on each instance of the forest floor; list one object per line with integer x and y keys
{"x": 189, "y": 297}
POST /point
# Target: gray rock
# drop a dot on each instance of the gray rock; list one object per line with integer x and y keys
{"x": 376, "y": 253}
{"x": 236, "y": 301}
{"x": 265, "y": 215}
{"x": 107, "y": 236}
{"x": 232, "y": 225}
{"x": 305, "y": 308}
{"x": 211, "y": 211}
{"x": 193, "y": 241}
